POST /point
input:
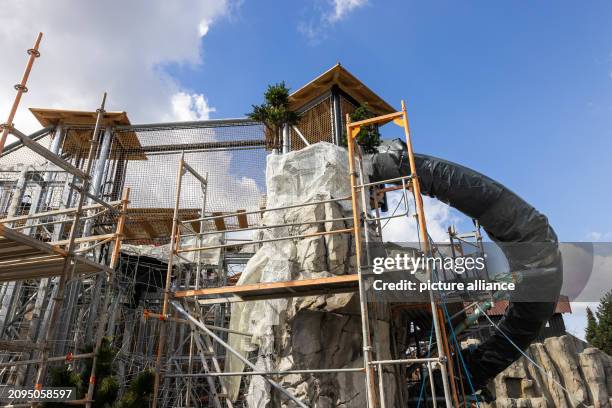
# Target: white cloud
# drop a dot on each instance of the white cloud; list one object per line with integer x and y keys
{"x": 438, "y": 216}
{"x": 596, "y": 236}
{"x": 190, "y": 107}
{"x": 315, "y": 30}
{"x": 204, "y": 27}
{"x": 341, "y": 8}
{"x": 115, "y": 46}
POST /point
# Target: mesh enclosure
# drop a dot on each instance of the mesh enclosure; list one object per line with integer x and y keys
{"x": 347, "y": 107}
{"x": 230, "y": 155}
{"x": 322, "y": 122}
{"x": 230, "y": 158}
{"x": 315, "y": 124}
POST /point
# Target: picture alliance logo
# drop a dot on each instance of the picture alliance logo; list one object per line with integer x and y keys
{"x": 404, "y": 262}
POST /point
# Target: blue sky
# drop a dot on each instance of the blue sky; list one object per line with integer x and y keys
{"x": 519, "y": 91}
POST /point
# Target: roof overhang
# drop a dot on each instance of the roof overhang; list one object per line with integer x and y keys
{"x": 51, "y": 117}
{"x": 79, "y": 125}
{"x": 347, "y": 82}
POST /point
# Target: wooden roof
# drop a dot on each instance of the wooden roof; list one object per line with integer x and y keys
{"x": 340, "y": 76}
{"x": 79, "y": 126}
{"x": 145, "y": 224}
{"x": 51, "y": 117}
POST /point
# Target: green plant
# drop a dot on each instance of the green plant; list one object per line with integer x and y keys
{"x": 106, "y": 392}
{"x": 139, "y": 392}
{"x": 274, "y": 112}
{"x": 107, "y": 387}
{"x": 599, "y": 329}
{"x": 64, "y": 377}
{"x": 591, "y": 329}
{"x": 368, "y": 137}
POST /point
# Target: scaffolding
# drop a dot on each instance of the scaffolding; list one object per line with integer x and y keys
{"x": 48, "y": 247}
{"x": 138, "y": 234}
{"x": 187, "y": 300}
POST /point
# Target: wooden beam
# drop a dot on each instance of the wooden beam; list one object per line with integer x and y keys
{"x": 84, "y": 239}
{"x": 219, "y": 222}
{"x": 34, "y": 243}
{"x": 377, "y": 120}
{"x": 289, "y": 288}
{"x": 243, "y": 222}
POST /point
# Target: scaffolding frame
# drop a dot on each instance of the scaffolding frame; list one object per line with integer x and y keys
{"x": 358, "y": 189}
{"x": 27, "y": 258}
{"x": 72, "y": 251}
{"x": 286, "y": 289}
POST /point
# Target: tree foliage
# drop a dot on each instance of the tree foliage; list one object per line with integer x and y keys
{"x": 599, "y": 327}
{"x": 274, "y": 112}
{"x": 140, "y": 391}
{"x": 591, "y": 328}
{"x": 64, "y": 376}
{"x": 369, "y": 136}
{"x": 106, "y": 388}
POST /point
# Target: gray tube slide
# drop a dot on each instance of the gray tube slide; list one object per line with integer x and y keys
{"x": 523, "y": 234}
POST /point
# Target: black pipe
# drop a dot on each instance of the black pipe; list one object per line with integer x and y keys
{"x": 523, "y": 234}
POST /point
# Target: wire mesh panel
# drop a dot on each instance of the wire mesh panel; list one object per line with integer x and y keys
{"x": 315, "y": 124}
{"x": 347, "y": 107}
{"x": 230, "y": 157}
{"x": 318, "y": 123}
{"x": 229, "y": 154}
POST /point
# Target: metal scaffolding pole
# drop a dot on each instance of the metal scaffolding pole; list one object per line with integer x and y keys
{"x": 365, "y": 321}
{"x": 109, "y": 282}
{"x": 416, "y": 191}
{"x": 66, "y": 273}
{"x": 173, "y": 242}
{"x": 21, "y": 89}
{"x": 219, "y": 340}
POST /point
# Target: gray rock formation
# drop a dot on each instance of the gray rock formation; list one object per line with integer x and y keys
{"x": 305, "y": 333}
{"x": 586, "y": 374}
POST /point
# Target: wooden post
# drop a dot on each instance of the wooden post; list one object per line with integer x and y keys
{"x": 416, "y": 186}
{"x": 173, "y": 244}
{"x": 109, "y": 281}
{"x": 365, "y": 324}
{"x": 418, "y": 199}
{"x": 21, "y": 89}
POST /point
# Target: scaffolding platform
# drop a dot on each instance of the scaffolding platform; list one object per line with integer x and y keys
{"x": 274, "y": 290}
{"x": 23, "y": 257}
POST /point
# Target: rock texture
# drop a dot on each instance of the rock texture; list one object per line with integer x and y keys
{"x": 586, "y": 374}
{"x": 304, "y": 333}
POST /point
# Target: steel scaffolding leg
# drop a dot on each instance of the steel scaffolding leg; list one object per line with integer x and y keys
{"x": 67, "y": 272}
{"x": 173, "y": 238}
{"x": 218, "y": 339}
{"x": 109, "y": 282}
{"x": 21, "y": 89}
{"x": 365, "y": 323}
{"x": 416, "y": 190}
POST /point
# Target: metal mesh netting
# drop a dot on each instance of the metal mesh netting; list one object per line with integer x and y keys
{"x": 229, "y": 154}
{"x": 315, "y": 124}
{"x": 230, "y": 158}
{"x": 347, "y": 107}
{"x": 318, "y": 122}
